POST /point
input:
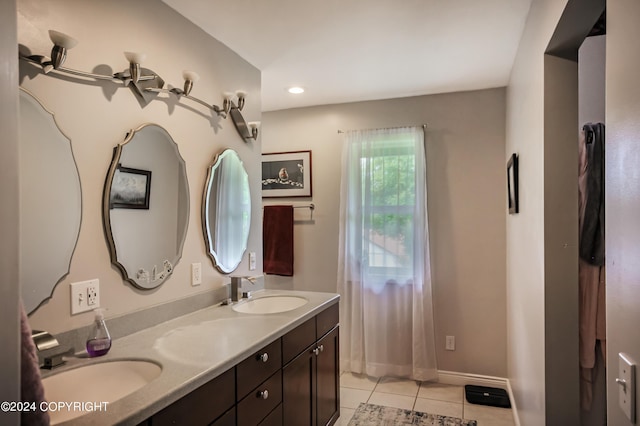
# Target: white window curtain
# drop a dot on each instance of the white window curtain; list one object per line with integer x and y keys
{"x": 384, "y": 274}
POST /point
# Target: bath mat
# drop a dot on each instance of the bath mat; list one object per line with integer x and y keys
{"x": 371, "y": 415}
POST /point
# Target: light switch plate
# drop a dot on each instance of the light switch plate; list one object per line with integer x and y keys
{"x": 196, "y": 274}
{"x": 85, "y": 296}
{"x": 252, "y": 260}
{"x": 627, "y": 386}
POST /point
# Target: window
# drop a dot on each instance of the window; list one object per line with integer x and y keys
{"x": 384, "y": 203}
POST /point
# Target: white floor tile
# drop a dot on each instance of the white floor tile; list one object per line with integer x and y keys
{"x": 392, "y": 400}
{"x": 441, "y": 392}
{"x": 488, "y": 416}
{"x": 351, "y": 398}
{"x": 398, "y": 386}
{"x": 443, "y": 408}
{"x": 358, "y": 381}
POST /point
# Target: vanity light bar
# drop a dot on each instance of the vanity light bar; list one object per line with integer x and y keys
{"x": 142, "y": 82}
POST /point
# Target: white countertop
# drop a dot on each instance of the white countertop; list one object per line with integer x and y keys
{"x": 192, "y": 350}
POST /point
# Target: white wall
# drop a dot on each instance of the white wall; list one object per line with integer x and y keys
{"x": 9, "y": 243}
{"x": 96, "y": 117}
{"x": 591, "y": 80}
{"x": 466, "y": 173}
{"x": 622, "y": 194}
{"x": 526, "y": 230}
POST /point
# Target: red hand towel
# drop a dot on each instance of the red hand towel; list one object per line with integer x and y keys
{"x": 277, "y": 240}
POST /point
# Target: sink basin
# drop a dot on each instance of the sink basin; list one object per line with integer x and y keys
{"x": 101, "y": 382}
{"x": 214, "y": 340}
{"x": 270, "y": 305}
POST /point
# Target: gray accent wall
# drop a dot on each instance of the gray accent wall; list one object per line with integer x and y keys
{"x": 622, "y": 187}
{"x": 466, "y": 177}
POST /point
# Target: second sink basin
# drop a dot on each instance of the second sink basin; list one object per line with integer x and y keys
{"x": 270, "y": 305}
{"x": 104, "y": 382}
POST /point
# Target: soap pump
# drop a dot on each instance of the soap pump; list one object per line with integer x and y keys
{"x": 99, "y": 341}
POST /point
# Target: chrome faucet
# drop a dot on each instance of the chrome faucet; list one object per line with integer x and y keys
{"x": 46, "y": 343}
{"x": 236, "y": 284}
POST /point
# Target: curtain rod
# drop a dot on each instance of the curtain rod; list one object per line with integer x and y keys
{"x": 308, "y": 206}
{"x": 424, "y": 126}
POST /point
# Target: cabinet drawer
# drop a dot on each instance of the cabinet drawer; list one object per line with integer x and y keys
{"x": 258, "y": 367}
{"x": 327, "y": 319}
{"x": 298, "y": 339}
{"x": 203, "y": 405}
{"x": 261, "y": 401}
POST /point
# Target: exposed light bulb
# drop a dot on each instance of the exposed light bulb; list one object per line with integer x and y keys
{"x": 241, "y": 97}
{"x": 135, "y": 57}
{"x": 190, "y": 75}
{"x": 62, "y": 40}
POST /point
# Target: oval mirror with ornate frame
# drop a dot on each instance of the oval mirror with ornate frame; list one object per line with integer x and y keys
{"x": 50, "y": 202}
{"x": 226, "y": 211}
{"x": 146, "y": 206}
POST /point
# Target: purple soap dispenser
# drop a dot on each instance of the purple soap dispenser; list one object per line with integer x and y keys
{"x": 99, "y": 341}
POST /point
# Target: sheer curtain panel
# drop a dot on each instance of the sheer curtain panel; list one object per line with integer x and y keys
{"x": 384, "y": 274}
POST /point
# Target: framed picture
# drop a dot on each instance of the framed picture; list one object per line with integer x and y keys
{"x": 130, "y": 188}
{"x": 512, "y": 183}
{"x": 286, "y": 174}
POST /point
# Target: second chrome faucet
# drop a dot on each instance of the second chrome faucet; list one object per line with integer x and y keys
{"x": 235, "y": 286}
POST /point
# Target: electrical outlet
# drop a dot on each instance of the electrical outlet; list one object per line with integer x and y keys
{"x": 196, "y": 274}
{"x": 450, "y": 344}
{"x": 93, "y": 295}
{"x": 252, "y": 260}
{"x": 85, "y": 296}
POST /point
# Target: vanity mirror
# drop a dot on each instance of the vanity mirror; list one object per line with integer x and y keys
{"x": 50, "y": 202}
{"x": 226, "y": 211}
{"x": 146, "y": 206}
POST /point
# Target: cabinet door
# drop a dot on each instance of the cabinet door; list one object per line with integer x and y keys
{"x": 201, "y": 406}
{"x": 328, "y": 378}
{"x": 299, "y": 389}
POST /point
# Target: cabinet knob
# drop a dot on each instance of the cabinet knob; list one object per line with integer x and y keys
{"x": 321, "y": 347}
{"x": 316, "y": 351}
{"x": 263, "y": 357}
{"x": 263, "y": 394}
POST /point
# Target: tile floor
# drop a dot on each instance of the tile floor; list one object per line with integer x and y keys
{"x": 429, "y": 397}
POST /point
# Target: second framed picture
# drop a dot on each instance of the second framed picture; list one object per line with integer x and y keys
{"x": 286, "y": 174}
{"x": 512, "y": 184}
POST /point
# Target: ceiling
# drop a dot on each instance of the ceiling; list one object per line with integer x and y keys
{"x": 354, "y": 50}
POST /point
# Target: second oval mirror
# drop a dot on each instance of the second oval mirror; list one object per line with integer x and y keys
{"x": 146, "y": 206}
{"x": 226, "y": 211}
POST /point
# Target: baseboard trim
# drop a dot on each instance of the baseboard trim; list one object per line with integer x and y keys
{"x": 461, "y": 379}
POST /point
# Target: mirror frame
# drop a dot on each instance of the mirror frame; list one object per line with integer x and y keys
{"x": 106, "y": 207}
{"x": 212, "y": 254}
{"x": 77, "y": 172}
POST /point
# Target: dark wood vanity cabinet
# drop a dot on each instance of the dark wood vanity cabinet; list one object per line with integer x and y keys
{"x": 310, "y": 381}
{"x": 202, "y": 406}
{"x": 293, "y": 380}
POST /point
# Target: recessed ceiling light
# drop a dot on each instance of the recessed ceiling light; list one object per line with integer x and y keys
{"x": 295, "y": 90}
